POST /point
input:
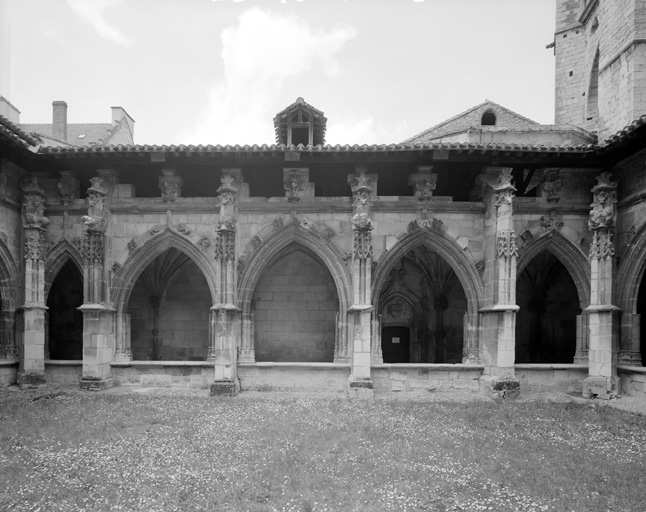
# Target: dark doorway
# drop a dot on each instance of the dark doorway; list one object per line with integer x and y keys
{"x": 65, "y": 320}
{"x": 395, "y": 343}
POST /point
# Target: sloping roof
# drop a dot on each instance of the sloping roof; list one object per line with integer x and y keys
{"x": 337, "y": 148}
{"x": 78, "y": 134}
{"x": 13, "y": 133}
{"x": 319, "y": 121}
{"x": 472, "y": 117}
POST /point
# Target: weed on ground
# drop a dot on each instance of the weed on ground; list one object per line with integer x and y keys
{"x": 172, "y": 453}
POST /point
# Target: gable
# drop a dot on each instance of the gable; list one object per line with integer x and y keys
{"x": 502, "y": 118}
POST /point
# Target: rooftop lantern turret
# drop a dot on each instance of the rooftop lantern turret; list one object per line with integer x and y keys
{"x": 300, "y": 123}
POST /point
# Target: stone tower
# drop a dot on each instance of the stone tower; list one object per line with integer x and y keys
{"x": 600, "y": 49}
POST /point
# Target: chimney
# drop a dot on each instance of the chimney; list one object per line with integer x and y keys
{"x": 59, "y": 127}
{"x": 119, "y": 113}
{"x": 9, "y": 111}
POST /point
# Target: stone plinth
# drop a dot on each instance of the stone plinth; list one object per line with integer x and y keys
{"x": 98, "y": 346}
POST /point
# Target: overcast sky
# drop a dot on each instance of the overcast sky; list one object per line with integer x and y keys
{"x": 216, "y": 72}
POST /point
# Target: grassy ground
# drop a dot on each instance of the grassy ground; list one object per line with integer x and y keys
{"x": 133, "y": 452}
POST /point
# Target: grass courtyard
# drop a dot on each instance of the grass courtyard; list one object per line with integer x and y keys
{"x": 165, "y": 453}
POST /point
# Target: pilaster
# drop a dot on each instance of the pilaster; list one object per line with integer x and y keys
{"x": 603, "y": 316}
{"x": 99, "y": 326}
{"x": 498, "y": 321}
{"x": 226, "y": 318}
{"x": 31, "y": 371}
{"x": 360, "y": 314}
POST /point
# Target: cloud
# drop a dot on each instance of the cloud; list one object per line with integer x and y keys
{"x": 92, "y": 12}
{"x": 259, "y": 55}
{"x": 364, "y": 130}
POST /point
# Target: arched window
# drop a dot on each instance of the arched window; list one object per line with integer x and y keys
{"x": 488, "y": 118}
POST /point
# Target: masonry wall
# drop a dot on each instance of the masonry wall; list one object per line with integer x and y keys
{"x": 616, "y": 30}
{"x": 183, "y": 319}
{"x": 295, "y": 306}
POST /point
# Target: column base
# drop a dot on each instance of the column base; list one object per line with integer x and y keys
{"x": 601, "y": 387}
{"x": 630, "y": 358}
{"x": 31, "y": 380}
{"x": 361, "y": 388}
{"x": 124, "y": 356}
{"x": 224, "y": 388}
{"x": 499, "y": 388}
{"x": 96, "y": 384}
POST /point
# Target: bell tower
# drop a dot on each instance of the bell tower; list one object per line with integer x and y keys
{"x": 600, "y": 50}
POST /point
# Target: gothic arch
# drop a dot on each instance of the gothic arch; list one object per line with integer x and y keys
{"x": 447, "y": 249}
{"x": 9, "y": 287}
{"x": 568, "y": 254}
{"x": 281, "y": 242}
{"x": 9, "y": 279}
{"x": 143, "y": 255}
{"x": 631, "y": 272}
{"x": 56, "y": 260}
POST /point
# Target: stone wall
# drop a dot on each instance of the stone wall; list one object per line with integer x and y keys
{"x": 163, "y": 374}
{"x": 295, "y": 306}
{"x": 425, "y": 378}
{"x": 321, "y": 378}
{"x": 183, "y": 319}
{"x": 567, "y": 378}
{"x": 8, "y": 372}
{"x": 633, "y": 381}
{"x": 63, "y": 372}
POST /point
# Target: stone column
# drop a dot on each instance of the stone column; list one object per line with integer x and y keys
{"x": 341, "y": 348}
{"x": 498, "y": 321}
{"x": 99, "y": 330}
{"x": 582, "y": 347}
{"x": 123, "y": 351}
{"x": 360, "y": 314}
{"x": 603, "y": 316}
{"x": 225, "y": 317}
{"x": 376, "y": 356}
{"x": 629, "y": 350}
{"x": 31, "y": 372}
{"x": 470, "y": 351}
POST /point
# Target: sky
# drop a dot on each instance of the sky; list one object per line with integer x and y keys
{"x": 218, "y": 71}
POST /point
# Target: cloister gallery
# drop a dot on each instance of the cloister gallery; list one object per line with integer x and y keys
{"x": 487, "y": 253}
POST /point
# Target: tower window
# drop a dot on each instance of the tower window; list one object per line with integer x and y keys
{"x": 488, "y": 119}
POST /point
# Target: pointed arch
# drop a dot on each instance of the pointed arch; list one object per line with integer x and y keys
{"x": 9, "y": 279}
{"x": 568, "y": 254}
{"x": 447, "y": 249}
{"x": 56, "y": 260}
{"x": 283, "y": 241}
{"x": 9, "y": 290}
{"x": 631, "y": 272}
{"x": 126, "y": 277}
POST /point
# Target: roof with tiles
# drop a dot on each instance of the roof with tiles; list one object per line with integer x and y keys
{"x": 471, "y": 118}
{"x": 78, "y": 134}
{"x": 12, "y": 132}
